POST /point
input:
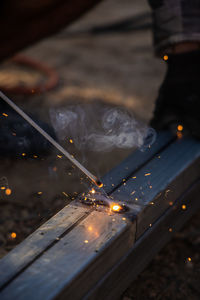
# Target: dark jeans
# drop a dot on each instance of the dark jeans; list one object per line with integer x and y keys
{"x": 175, "y": 21}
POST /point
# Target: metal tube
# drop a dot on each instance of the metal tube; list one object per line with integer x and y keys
{"x": 51, "y": 140}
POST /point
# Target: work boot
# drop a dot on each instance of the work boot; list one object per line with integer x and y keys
{"x": 178, "y": 102}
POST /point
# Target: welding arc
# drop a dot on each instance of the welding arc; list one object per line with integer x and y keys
{"x": 51, "y": 140}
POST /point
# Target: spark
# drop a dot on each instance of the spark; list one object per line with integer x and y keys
{"x": 4, "y": 114}
{"x": 86, "y": 241}
{"x": 124, "y": 219}
{"x": 152, "y": 203}
{"x": 170, "y": 229}
{"x": 23, "y": 154}
{"x": 8, "y": 192}
{"x": 71, "y": 141}
{"x": 150, "y": 225}
{"x": 150, "y": 186}
{"x": 13, "y": 235}
{"x": 183, "y": 207}
{"x": 93, "y": 191}
{"x": 3, "y": 188}
{"x": 134, "y": 177}
{"x": 189, "y": 259}
{"x": 165, "y": 57}
{"x": 147, "y": 174}
{"x": 39, "y": 193}
{"x": 59, "y": 156}
{"x": 35, "y": 156}
{"x": 133, "y": 192}
{"x": 180, "y": 127}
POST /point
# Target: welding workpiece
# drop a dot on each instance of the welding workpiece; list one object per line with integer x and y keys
{"x": 96, "y": 199}
{"x": 88, "y": 174}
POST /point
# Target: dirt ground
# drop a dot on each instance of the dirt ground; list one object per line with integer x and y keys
{"x": 105, "y": 70}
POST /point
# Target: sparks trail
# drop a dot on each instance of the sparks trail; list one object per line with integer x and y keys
{"x": 100, "y": 198}
{"x": 92, "y": 177}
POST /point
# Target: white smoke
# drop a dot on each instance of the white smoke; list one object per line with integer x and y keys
{"x": 98, "y": 128}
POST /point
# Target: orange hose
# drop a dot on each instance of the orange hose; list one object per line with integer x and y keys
{"x": 50, "y": 74}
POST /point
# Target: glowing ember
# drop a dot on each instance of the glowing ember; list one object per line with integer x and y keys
{"x": 4, "y": 114}
{"x": 93, "y": 191}
{"x": 183, "y": 207}
{"x": 180, "y": 127}
{"x": 99, "y": 183}
{"x": 71, "y": 141}
{"x": 147, "y": 174}
{"x": 23, "y": 154}
{"x": 165, "y": 57}
{"x": 170, "y": 229}
{"x": 3, "y": 188}
{"x": 115, "y": 207}
{"x": 189, "y": 259}
{"x": 8, "y": 192}
{"x": 13, "y": 235}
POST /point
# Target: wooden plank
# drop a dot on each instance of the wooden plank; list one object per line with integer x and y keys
{"x": 167, "y": 176}
{"x": 77, "y": 261}
{"x": 36, "y": 243}
{"x": 122, "y": 274}
{"x": 135, "y": 161}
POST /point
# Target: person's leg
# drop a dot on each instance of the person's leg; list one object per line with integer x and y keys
{"x": 177, "y": 40}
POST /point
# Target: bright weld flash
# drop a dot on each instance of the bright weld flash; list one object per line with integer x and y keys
{"x": 115, "y": 207}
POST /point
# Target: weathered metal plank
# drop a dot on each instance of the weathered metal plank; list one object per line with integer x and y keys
{"x": 122, "y": 274}
{"x": 135, "y": 161}
{"x": 161, "y": 181}
{"x": 46, "y": 235}
{"x": 77, "y": 261}
{"x": 36, "y": 243}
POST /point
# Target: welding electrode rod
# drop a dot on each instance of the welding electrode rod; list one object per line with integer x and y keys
{"x": 51, "y": 140}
